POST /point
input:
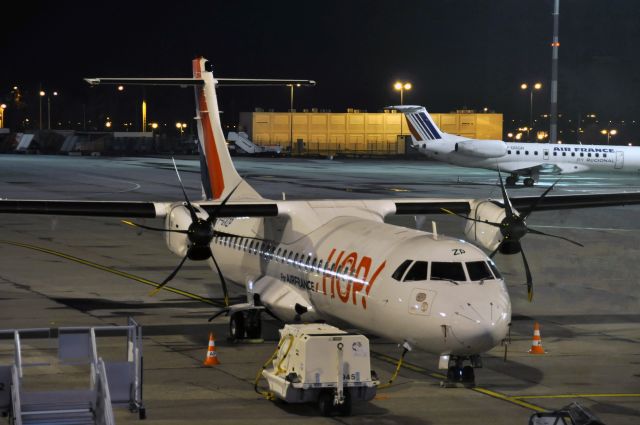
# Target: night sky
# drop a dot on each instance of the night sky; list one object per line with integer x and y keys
{"x": 458, "y": 54}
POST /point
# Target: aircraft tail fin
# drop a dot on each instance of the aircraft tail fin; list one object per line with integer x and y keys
{"x": 217, "y": 171}
{"x": 421, "y": 125}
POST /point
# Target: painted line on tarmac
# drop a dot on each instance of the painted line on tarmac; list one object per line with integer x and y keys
{"x": 611, "y": 395}
{"x": 513, "y": 400}
{"x": 114, "y": 271}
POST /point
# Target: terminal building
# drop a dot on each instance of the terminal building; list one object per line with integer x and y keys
{"x": 356, "y": 133}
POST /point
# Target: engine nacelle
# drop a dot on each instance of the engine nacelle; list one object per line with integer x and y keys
{"x": 177, "y": 219}
{"x": 485, "y": 234}
{"x": 284, "y": 301}
{"x": 482, "y": 149}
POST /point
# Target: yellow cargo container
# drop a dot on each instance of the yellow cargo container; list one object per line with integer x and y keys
{"x": 356, "y": 133}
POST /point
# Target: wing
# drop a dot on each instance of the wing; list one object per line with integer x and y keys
{"x": 130, "y": 209}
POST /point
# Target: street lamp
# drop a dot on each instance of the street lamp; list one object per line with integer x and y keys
{"x": 401, "y": 87}
{"x": 535, "y": 86}
{"x": 181, "y": 126}
{"x": 609, "y": 133}
{"x": 55, "y": 93}
{"x": 42, "y": 93}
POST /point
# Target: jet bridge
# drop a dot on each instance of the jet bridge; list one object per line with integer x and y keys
{"x": 55, "y": 375}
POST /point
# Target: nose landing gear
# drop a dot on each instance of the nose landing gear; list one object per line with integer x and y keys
{"x": 460, "y": 374}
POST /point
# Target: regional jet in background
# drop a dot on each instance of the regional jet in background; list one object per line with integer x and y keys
{"x": 527, "y": 160}
{"x": 337, "y": 260}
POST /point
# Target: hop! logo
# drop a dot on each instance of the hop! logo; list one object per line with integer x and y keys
{"x": 349, "y": 278}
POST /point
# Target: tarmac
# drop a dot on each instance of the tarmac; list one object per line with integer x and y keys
{"x": 78, "y": 271}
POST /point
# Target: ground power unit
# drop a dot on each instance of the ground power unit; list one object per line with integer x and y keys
{"x": 321, "y": 363}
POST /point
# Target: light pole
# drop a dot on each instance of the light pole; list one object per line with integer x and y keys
{"x": 609, "y": 133}
{"x": 55, "y": 93}
{"x": 181, "y": 126}
{"x": 291, "y": 86}
{"x": 401, "y": 87}
{"x": 525, "y": 86}
{"x": 42, "y": 93}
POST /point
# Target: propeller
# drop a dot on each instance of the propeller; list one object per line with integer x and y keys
{"x": 200, "y": 234}
{"x": 513, "y": 228}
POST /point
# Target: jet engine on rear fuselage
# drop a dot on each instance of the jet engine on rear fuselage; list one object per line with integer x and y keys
{"x": 485, "y": 234}
{"x": 482, "y": 148}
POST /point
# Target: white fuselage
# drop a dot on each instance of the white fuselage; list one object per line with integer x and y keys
{"x": 338, "y": 263}
{"x": 521, "y": 158}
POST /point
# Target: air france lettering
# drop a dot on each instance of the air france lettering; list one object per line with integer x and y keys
{"x": 574, "y": 149}
{"x": 349, "y": 277}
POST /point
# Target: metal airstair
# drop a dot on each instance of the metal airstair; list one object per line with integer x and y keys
{"x": 35, "y": 397}
{"x": 243, "y": 143}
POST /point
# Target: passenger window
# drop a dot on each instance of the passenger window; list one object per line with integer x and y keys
{"x": 517, "y": 152}
{"x": 526, "y": 152}
{"x": 290, "y": 260}
{"x": 564, "y": 154}
{"x": 509, "y": 152}
{"x": 444, "y": 271}
{"x": 555, "y": 154}
{"x": 573, "y": 154}
{"x": 478, "y": 270}
{"x": 581, "y": 154}
{"x": 244, "y": 244}
{"x": 604, "y": 155}
{"x": 397, "y": 275}
{"x": 589, "y": 155}
{"x": 417, "y": 272}
{"x": 535, "y": 152}
{"x": 597, "y": 155}
{"x": 295, "y": 259}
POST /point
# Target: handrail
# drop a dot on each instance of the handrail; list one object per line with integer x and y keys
{"x": 103, "y": 408}
{"x": 16, "y": 410}
{"x": 17, "y": 352}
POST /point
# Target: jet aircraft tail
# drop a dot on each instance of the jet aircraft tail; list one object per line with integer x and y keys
{"x": 421, "y": 125}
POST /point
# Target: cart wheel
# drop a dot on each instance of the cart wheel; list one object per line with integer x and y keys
{"x": 325, "y": 403}
{"x": 254, "y": 324}
{"x": 236, "y": 326}
{"x": 468, "y": 375}
{"x": 142, "y": 413}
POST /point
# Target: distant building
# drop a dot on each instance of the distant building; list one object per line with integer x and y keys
{"x": 355, "y": 132}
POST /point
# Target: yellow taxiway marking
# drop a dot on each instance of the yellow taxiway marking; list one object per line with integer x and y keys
{"x": 612, "y": 395}
{"x": 485, "y": 391}
{"x": 114, "y": 271}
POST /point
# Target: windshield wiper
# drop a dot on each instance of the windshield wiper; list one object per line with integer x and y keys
{"x": 445, "y": 278}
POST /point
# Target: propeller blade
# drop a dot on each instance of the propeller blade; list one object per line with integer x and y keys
{"x": 528, "y": 273}
{"x": 495, "y": 251}
{"x": 538, "y": 232}
{"x": 469, "y": 218}
{"x": 223, "y": 283}
{"x": 215, "y": 212}
{"x": 537, "y": 201}
{"x": 171, "y": 276}
{"x": 505, "y": 198}
{"x": 192, "y": 211}
{"x": 158, "y": 229}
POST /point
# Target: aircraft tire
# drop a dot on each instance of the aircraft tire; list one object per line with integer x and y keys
{"x": 529, "y": 182}
{"x": 253, "y": 324}
{"x": 511, "y": 180}
{"x": 325, "y": 403}
{"x": 236, "y": 326}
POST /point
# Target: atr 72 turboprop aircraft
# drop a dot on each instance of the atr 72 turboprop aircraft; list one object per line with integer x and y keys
{"x": 337, "y": 260}
{"x": 519, "y": 159}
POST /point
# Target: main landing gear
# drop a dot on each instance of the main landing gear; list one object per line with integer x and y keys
{"x": 246, "y": 324}
{"x": 513, "y": 179}
{"x": 460, "y": 374}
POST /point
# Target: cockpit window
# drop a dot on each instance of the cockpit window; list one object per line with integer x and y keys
{"x": 496, "y": 273}
{"x": 397, "y": 275}
{"x": 444, "y": 271}
{"x": 417, "y": 272}
{"x": 478, "y": 270}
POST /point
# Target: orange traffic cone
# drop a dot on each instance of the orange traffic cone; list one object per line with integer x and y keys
{"x": 536, "y": 345}
{"x": 212, "y": 356}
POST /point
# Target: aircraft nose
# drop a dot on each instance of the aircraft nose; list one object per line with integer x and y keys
{"x": 480, "y": 325}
